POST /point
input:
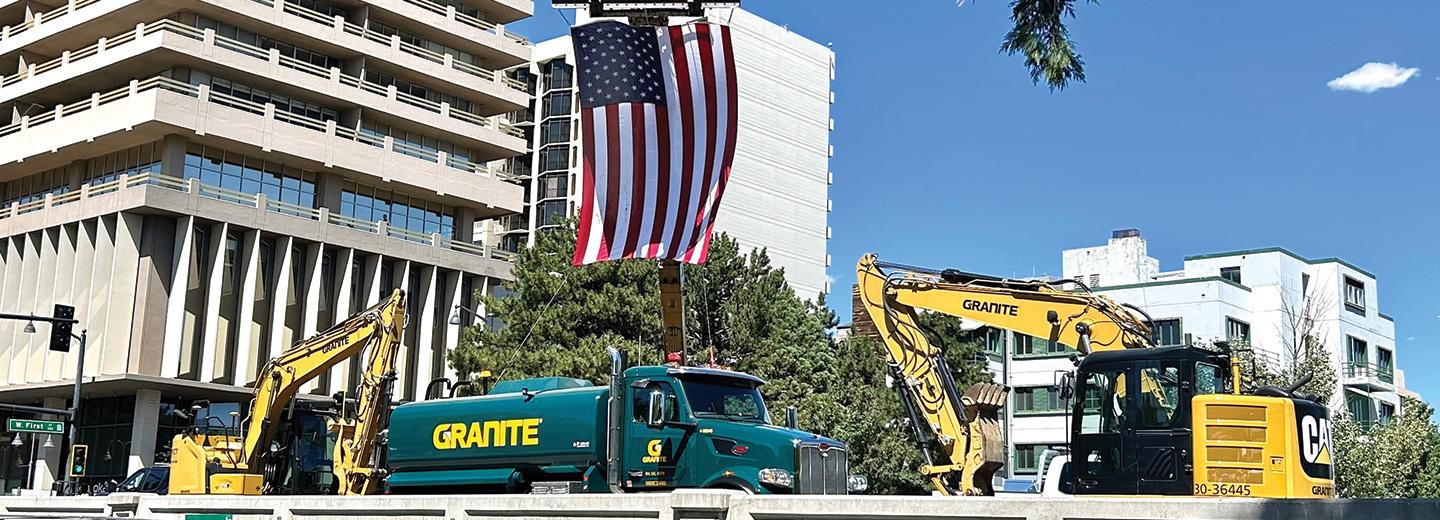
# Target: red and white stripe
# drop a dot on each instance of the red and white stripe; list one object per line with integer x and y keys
{"x": 654, "y": 175}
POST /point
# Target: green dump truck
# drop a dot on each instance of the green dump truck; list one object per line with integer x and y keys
{"x": 653, "y": 428}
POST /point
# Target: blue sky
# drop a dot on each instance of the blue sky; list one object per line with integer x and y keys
{"x": 1208, "y": 125}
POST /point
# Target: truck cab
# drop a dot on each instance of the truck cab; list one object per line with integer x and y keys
{"x": 702, "y": 427}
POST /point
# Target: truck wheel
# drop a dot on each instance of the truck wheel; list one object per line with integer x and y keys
{"x": 733, "y": 486}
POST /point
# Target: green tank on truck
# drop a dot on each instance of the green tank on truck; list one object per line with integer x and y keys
{"x": 664, "y": 428}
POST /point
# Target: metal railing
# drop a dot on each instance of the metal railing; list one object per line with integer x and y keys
{"x": 1363, "y": 370}
{"x": 312, "y": 15}
{"x": 262, "y": 54}
{"x": 251, "y": 200}
{"x": 264, "y": 110}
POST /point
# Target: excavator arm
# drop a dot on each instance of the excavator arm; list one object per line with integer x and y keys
{"x": 379, "y": 326}
{"x": 960, "y": 434}
{"x": 356, "y": 470}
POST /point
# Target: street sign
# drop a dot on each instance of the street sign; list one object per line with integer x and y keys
{"x": 36, "y": 426}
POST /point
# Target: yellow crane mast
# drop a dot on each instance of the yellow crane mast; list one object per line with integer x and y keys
{"x": 202, "y": 463}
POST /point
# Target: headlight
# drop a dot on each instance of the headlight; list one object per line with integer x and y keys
{"x": 776, "y": 477}
{"x": 857, "y": 483}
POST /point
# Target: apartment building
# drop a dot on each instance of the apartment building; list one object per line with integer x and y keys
{"x": 210, "y": 181}
{"x": 1252, "y": 295}
{"x": 778, "y": 196}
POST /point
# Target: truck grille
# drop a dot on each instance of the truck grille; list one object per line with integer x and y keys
{"x": 821, "y": 470}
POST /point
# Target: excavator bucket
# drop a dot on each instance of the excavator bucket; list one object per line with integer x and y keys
{"x": 985, "y": 450}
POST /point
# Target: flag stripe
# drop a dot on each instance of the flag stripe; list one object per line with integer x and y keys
{"x": 655, "y": 165}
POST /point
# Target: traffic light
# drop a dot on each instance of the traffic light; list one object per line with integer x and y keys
{"x": 79, "y": 454}
{"x": 60, "y": 330}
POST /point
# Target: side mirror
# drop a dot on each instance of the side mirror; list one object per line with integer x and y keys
{"x": 655, "y": 415}
{"x": 1067, "y": 386}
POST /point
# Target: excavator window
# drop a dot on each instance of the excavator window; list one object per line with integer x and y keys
{"x": 1209, "y": 379}
{"x": 1159, "y": 396}
{"x": 1107, "y": 390}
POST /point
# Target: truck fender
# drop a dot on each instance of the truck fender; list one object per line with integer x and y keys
{"x": 731, "y": 483}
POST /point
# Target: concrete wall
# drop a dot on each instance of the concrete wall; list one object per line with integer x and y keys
{"x": 714, "y": 505}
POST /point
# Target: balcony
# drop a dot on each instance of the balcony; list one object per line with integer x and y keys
{"x": 1368, "y": 376}
{"x": 182, "y": 196}
{"x": 154, "y": 106}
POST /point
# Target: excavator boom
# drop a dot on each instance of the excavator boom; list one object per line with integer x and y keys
{"x": 960, "y": 433}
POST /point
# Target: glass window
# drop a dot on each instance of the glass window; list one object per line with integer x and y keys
{"x": 1354, "y": 295}
{"x": 724, "y": 398}
{"x": 557, "y": 104}
{"x": 1230, "y": 273}
{"x": 1027, "y": 457}
{"x": 1027, "y": 346}
{"x": 1159, "y": 396}
{"x": 1236, "y": 330}
{"x": 1166, "y": 333}
{"x": 1385, "y": 362}
{"x": 641, "y": 403}
{"x": 1108, "y": 390}
{"x": 1037, "y": 400}
{"x": 1209, "y": 379}
{"x": 397, "y": 210}
{"x": 559, "y": 75}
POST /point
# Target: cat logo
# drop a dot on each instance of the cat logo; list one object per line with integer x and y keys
{"x": 653, "y": 452}
{"x": 1315, "y": 439}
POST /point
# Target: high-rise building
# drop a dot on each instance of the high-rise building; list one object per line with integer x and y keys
{"x": 1270, "y": 298}
{"x": 210, "y": 181}
{"x": 778, "y": 196}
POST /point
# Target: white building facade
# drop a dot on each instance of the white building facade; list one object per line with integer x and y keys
{"x": 778, "y": 195}
{"x": 1253, "y": 295}
{"x": 211, "y": 181}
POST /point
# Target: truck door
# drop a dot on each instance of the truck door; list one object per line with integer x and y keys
{"x": 654, "y": 454}
{"x": 1162, "y": 428}
{"x": 1101, "y": 462}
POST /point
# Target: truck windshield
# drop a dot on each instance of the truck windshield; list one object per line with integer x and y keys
{"x": 733, "y": 399}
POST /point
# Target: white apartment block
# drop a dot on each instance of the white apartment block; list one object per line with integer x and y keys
{"x": 778, "y": 195}
{"x": 210, "y": 181}
{"x": 1242, "y": 295}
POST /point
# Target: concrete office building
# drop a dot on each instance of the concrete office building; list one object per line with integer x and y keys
{"x": 1242, "y": 295}
{"x": 778, "y": 196}
{"x": 209, "y": 181}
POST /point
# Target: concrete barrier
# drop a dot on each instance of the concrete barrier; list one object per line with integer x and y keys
{"x": 707, "y": 505}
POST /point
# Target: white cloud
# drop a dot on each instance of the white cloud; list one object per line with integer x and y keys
{"x": 1373, "y": 76}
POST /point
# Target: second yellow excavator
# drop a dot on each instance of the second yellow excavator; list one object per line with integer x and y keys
{"x": 263, "y": 461}
{"x": 1153, "y": 421}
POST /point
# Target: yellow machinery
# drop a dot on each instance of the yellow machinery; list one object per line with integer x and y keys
{"x": 259, "y": 461}
{"x": 1145, "y": 421}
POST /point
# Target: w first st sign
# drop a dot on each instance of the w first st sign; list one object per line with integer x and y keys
{"x": 34, "y": 426}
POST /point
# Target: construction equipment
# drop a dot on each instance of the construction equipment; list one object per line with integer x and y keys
{"x": 1147, "y": 421}
{"x": 263, "y": 460}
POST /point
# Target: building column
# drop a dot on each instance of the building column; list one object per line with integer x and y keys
{"x": 45, "y": 468}
{"x": 172, "y": 155}
{"x": 247, "y": 337}
{"x": 61, "y": 365}
{"x": 103, "y": 231}
{"x": 283, "y": 285}
{"x": 465, "y": 225}
{"x": 372, "y": 278}
{"x": 310, "y": 316}
{"x": 452, "y": 330}
{"x": 82, "y": 234}
{"x": 345, "y": 271}
{"x": 27, "y": 363}
{"x": 43, "y": 362}
{"x": 403, "y": 367}
{"x": 175, "y": 311}
{"x": 214, "y": 286}
{"x": 425, "y": 344}
{"x": 144, "y": 430}
{"x": 113, "y": 344}
{"x": 9, "y": 286}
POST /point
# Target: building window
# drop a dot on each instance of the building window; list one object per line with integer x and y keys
{"x": 35, "y": 187}
{"x": 558, "y": 75}
{"x": 1230, "y": 273}
{"x": 250, "y": 175}
{"x": 1031, "y": 346}
{"x": 1354, "y": 295}
{"x": 1357, "y": 351}
{"x": 1166, "y": 333}
{"x": 551, "y": 213}
{"x": 225, "y": 30}
{"x": 420, "y": 91}
{"x": 1036, "y": 400}
{"x": 418, "y": 41}
{"x": 132, "y": 161}
{"x": 417, "y": 145}
{"x": 1385, "y": 364}
{"x": 556, "y": 131}
{"x": 1304, "y": 284}
{"x": 1386, "y": 412}
{"x": 1027, "y": 457}
{"x": 282, "y": 102}
{"x": 1095, "y": 280}
{"x": 555, "y": 158}
{"x": 1361, "y": 408}
{"x": 557, "y": 104}
{"x": 370, "y": 204}
{"x": 1236, "y": 330}
{"x": 554, "y": 186}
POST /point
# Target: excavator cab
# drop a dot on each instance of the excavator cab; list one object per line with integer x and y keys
{"x": 1132, "y": 433}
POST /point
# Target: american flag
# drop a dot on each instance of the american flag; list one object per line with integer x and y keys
{"x": 658, "y": 118}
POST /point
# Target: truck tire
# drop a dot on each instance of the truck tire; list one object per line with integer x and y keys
{"x": 732, "y": 484}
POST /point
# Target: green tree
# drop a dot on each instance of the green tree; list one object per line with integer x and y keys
{"x": 1398, "y": 458}
{"x": 1041, "y": 37}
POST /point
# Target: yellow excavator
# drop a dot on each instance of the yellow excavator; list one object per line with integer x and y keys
{"x": 1147, "y": 421}
{"x": 282, "y": 446}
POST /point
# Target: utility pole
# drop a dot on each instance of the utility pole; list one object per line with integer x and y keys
{"x": 61, "y": 325}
